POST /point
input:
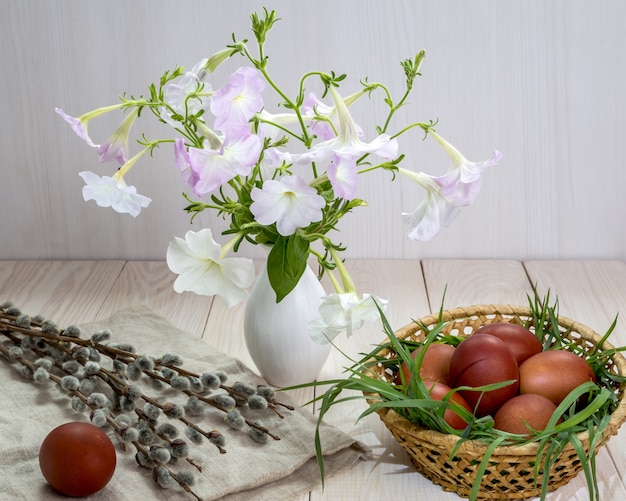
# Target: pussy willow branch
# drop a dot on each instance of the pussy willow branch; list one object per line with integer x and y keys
{"x": 59, "y": 347}
{"x": 207, "y": 434}
{"x": 125, "y": 356}
{"x": 121, "y": 387}
{"x": 230, "y": 390}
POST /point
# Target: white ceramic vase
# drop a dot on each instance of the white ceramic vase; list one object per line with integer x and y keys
{"x": 277, "y": 334}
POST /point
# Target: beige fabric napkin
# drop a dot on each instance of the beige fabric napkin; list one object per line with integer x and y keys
{"x": 277, "y": 470}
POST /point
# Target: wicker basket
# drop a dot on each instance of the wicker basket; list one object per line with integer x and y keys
{"x": 510, "y": 472}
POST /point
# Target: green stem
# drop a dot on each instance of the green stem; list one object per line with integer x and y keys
{"x": 348, "y": 284}
{"x": 394, "y": 108}
{"x": 424, "y": 126}
{"x": 335, "y": 283}
{"x": 305, "y": 136}
{"x": 319, "y": 180}
{"x": 284, "y": 129}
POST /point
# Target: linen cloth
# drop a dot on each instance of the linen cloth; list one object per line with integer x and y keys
{"x": 276, "y": 470}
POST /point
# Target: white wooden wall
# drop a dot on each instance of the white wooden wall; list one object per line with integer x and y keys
{"x": 543, "y": 81}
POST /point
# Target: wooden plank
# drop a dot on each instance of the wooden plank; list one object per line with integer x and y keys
{"x": 468, "y": 282}
{"x": 67, "y": 292}
{"x": 592, "y": 292}
{"x": 151, "y": 283}
{"x": 6, "y": 268}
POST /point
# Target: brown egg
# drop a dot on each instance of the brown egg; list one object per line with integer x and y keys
{"x": 524, "y": 411}
{"x": 435, "y": 364}
{"x": 522, "y": 342}
{"x": 479, "y": 360}
{"x": 438, "y": 391}
{"x": 554, "y": 373}
{"x": 77, "y": 459}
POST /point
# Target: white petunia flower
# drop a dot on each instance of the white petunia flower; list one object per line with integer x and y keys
{"x": 113, "y": 192}
{"x": 187, "y": 95}
{"x": 198, "y": 261}
{"x": 344, "y": 312}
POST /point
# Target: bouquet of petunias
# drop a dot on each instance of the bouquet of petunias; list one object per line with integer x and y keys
{"x": 283, "y": 180}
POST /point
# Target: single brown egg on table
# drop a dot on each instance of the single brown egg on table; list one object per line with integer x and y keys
{"x": 77, "y": 459}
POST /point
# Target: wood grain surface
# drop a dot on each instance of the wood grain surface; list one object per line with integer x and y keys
{"x": 592, "y": 292}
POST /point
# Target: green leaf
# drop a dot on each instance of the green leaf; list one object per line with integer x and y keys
{"x": 286, "y": 263}
{"x": 480, "y": 472}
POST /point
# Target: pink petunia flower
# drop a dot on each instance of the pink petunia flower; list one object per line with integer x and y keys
{"x": 79, "y": 125}
{"x": 238, "y": 101}
{"x": 116, "y": 146}
{"x": 341, "y": 153}
{"x": 211, "y": 168}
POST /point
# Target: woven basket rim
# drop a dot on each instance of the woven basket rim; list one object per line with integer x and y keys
{"x": 449, "y": 441}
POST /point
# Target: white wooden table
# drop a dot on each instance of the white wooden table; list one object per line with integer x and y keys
{"x": 592, "y": 292}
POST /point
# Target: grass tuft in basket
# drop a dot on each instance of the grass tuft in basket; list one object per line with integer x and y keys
{"x": 481, "y": 462}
